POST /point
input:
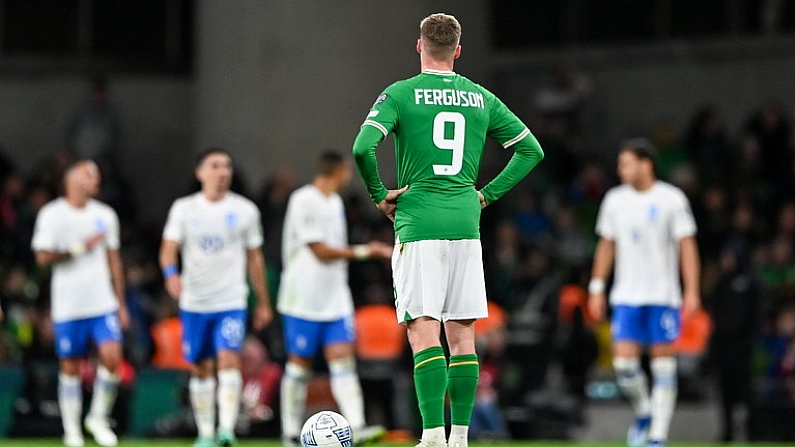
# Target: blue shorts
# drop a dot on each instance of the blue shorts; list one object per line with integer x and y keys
{"x": 72, "y": 338}
{"x": 304, "y": 338}
{"x": 204, "y": 334}
{"x": 649, "y": 325}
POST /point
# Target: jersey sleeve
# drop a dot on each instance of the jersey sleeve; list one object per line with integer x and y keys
{"x": 510, "y": 132}
{"x": 605, "y": 227}
{"x": 384, "y": 112}
{"x": 308, "y": 224}
{"x": 174, "y": 228}
{"x": 380, "y": 122}
{"x": 254, "y": 237}
{"x": 44, "y": 237}
{"x": 683, "y": 223}
{"x": 112, "y": 238}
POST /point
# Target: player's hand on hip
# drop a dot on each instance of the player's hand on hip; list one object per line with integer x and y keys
{"x": 124, "y": 317}
{"x": 482, "y": 200}
{"x": 263, "y": 315}
{"x": 597, "y": 305}
{"x": 691, "y": 302}
{"x": 174, "y": 286}
{"x": 388, "y": 206}
{"x": 380, "y": 249}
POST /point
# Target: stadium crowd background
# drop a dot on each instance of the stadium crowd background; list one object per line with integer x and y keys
{"x": 543, "y": 359}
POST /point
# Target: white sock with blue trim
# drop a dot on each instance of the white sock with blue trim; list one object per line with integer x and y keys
{"x": 70, "y": 400}
{"x": 347, "y": 390}
{"x": 230, "y": 385}
{"x": 632, "y": 381}
{"x": 202, "y": 399}
{"x": 293, "y": 398}
{"x": 106, "y": 385}
{"x": 663, "y": 396}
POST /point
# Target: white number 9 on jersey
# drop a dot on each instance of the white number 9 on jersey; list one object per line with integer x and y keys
{"x": 455, "y": 144}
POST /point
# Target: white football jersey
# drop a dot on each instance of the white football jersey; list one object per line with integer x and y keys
{"x": 646, "y": 228}
{"x": 214, "y": 238}
{"x": 310, "y": 288}
{"x": 81, "y": 286}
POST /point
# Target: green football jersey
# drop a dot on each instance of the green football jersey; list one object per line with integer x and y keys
{"x": 441, "y": 121}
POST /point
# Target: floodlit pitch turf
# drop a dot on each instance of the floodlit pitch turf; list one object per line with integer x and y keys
{"x": 36, "y": 442}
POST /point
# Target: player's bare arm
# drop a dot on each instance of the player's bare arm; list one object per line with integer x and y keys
{"x": 45, "y": 258}
{"x": 117, "y": 277}
{"x": 602, "y": 264}
{"x": 691, "y": 272}
{"x": 370, "y": 250}
{"x": 255, "y": 262}
{"x": 169, "y": 254}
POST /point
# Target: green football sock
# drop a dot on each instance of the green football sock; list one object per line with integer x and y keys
{"x": 430, "y": 382}
{"x": 462, "y": 384}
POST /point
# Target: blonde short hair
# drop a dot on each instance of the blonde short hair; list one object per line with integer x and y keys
{"x": 440, "y": 34}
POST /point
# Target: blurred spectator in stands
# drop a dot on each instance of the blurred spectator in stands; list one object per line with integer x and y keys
{"x": 116, "y": 192}
{"x": 749, "y": 175}
{"x": 272, "y": 202}
{"x": 773, "y": 129}
{"x": 576, "y": 339}
{"x": 572, "y": 244}
{"x": 142, "y": 308}
{"x": 530, "y": 219}
{"x": 490, "y": 339}
{"x": 708, "y": 145}
{"x": 713, "y": 215}
{"x": 778, "y": 272}
{"x": 558, "y": 107}
{"x": 672, "y": 155}
{"x": 94, "y": 132}
{"x": 586, "y": 192}
{"x": 785, "y": 224}
{"x": 167, "y": 337}
{"x": 379, "y": 346}
{"x": 261, "y": 379}
{"x": 776, "y": 342}
{"x": 736, "y": 309}
{"x": 12, "y": 201}
{"x": 505, "y": 258}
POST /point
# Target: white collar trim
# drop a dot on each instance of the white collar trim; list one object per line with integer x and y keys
{"x": 439, "y": 72}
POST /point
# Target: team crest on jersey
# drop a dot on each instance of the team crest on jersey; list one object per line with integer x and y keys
{"x": 654, "y": 212}
{"x": 381, "y": 98}
{"x": 231, "y": 220}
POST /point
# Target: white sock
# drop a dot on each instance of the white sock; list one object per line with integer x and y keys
{"x": 230, "y": 384}
{"x": 347, "y": 390}
{"x": 70, "y": 399}
{"x": 458, "y": 436}
{"x": 663, "y": 396}
{"x": 632, "y": 380}
{"x": 106, "y": 385}
{"x": 202, "y": 399}
{"x": 293, "y": 399}
{"x": 433, "y": 436}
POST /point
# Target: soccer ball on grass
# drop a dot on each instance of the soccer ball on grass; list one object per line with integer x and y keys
{"x": 326, "y": 429}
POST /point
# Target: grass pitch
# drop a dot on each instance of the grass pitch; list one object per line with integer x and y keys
{"x": 52, "y": 442}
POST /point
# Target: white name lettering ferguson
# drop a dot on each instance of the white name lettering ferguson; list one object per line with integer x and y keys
{"x": 448, "y": 97}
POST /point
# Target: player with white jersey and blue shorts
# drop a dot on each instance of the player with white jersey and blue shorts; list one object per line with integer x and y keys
{"x": 646, "y": 227}
{"x": 315, "y": 299}
{"x": 79, "y": 237}
{"x": 219, "y": 235}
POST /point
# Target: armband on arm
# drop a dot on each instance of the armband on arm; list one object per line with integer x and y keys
{"x": 596, "y": 286}
{"x": 77, "y": 249}
{"x": 169, "y": 271}
{"x": 361, "y": 251}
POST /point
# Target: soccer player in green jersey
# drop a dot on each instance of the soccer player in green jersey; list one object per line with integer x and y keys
{"x": 441, "y": 120}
